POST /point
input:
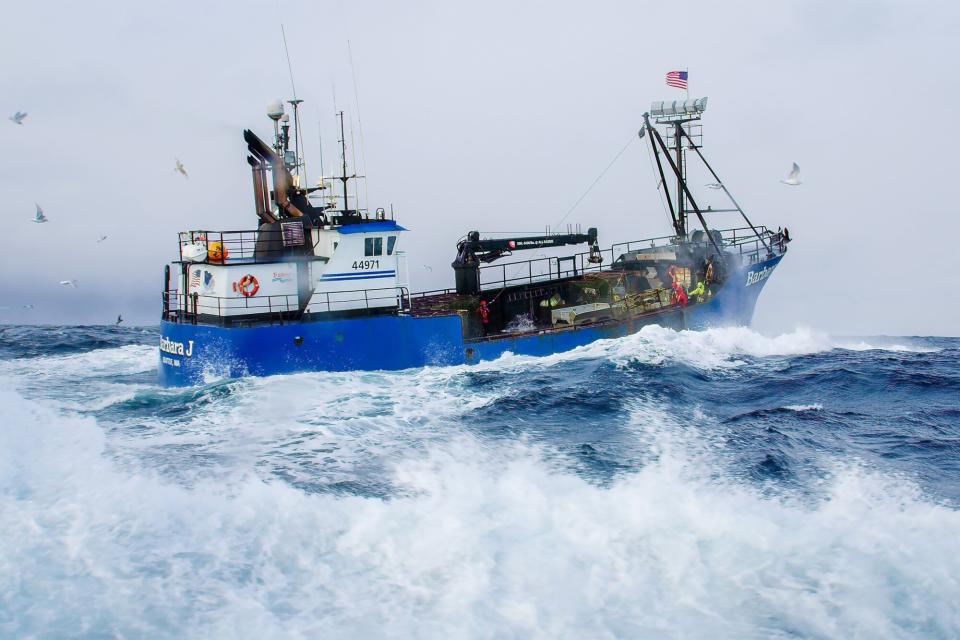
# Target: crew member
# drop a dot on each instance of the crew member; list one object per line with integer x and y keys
{"x": 697, "y": 291}
{"x": 484, "y": 312}
{"x": 679, "y": 297}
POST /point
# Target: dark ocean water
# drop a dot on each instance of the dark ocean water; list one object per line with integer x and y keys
{"x": 718, "y": 484}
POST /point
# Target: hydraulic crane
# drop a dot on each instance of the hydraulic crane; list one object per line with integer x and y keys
{"x": 472, "y": 251}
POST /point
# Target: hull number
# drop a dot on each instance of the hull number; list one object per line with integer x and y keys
{"x": 366, "y": 264}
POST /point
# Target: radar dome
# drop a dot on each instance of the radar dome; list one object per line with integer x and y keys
{"x": 275, "y": 109}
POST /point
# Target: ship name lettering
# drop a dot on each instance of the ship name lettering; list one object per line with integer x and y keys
{"x": 176, "y": 348}
{"x": 753, "y": 277}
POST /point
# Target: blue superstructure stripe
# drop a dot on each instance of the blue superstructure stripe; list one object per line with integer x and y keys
{"x": 356, "y": 273}
{"x": 386, "y": 275}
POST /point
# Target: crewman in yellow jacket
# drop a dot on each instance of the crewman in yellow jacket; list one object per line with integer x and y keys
{"x": 697, "y": 291}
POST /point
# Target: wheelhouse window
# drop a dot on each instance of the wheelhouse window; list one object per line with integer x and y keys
{"x": 373, "y": 246}
{"x": 391, "y": 242}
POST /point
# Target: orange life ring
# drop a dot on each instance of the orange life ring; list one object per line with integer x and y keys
{"x": 248, "y": 286}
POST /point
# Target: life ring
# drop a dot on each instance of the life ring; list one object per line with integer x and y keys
{"x": 248, "y": 286}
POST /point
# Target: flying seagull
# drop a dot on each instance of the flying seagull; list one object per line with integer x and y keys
{"x": 714, "y": 185}
{"x": 18, "y": 117}
{"x": 39, "y": 217}
{"x": 180, "y": 168}
{"x": 426, "y": 267}
{"x": 102, "y": 238}
{"x": 794, "y": 178}
{"x": 27, "y": 306}
{"x": 68, "y": 283}
{"x": 119, "y": 320}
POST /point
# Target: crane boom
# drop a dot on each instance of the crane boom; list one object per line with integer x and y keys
{"x": 472, "y": 251}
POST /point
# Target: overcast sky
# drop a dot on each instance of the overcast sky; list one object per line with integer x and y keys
{"x": 493, "y": 116}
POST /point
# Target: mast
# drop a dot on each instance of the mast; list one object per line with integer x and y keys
{"x": 663, "y": 178}
{"x": 681, "y": 212}
{"x": 295, "y": 103}
{"x": 674, "y": 115}
{"x": 343, "y": 155}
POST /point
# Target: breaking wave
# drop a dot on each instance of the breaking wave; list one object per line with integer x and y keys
{"x": 721, "y": 484}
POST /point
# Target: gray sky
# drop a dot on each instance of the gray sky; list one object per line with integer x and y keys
{"x": 494, "y": 116}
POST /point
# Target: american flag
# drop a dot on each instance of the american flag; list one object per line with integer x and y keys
{"x": 677, "y": 79}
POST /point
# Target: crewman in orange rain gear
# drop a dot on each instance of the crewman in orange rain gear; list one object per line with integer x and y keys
{"x": 679, "y": 296}
{"x": 484, "y": 312}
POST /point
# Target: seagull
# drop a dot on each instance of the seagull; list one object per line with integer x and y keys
{"x": 119, "y": 320}
{"x": 180, "y": 169}
{"x": 27, "y": 306}
{"x": 793, "y": 179}
{"x": 102, "y": 238}
{"x": 68, "y": 283}
{"x": 39, "y": 217}
{"x": 426, "y": 267}
{"x": 18, "y": 117}
{"x": 714, "y": 185}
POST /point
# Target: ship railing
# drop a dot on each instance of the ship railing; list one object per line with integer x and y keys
{"x": 542, "y": 269}
{"x": 742, "y": 240}
{"x": 190, "y": 308}
{"x": 248, "y": 246}
{"x": 195, "y": 308}
{"x": 754, "y": 247}
{"x": 621, "y": 248}
{"x": 384, "y": 298}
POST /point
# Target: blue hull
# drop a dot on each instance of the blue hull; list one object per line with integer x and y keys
{"x": 192, "y": 354}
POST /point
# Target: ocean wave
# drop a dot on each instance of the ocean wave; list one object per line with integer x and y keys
{"x": 476, "y": 541}
{"x": 804, "y": 407}
{"x": 115, "y": 361}
{"x": 709, "y": 349}
{"x": 30, "y": 341}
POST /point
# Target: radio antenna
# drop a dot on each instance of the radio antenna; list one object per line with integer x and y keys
{"x": 356, "y": 99}
{"x": 286, "y": 50}
{"x": 298, "y": 133}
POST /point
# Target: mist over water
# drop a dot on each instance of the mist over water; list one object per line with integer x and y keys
{"x": 668, "y": 484}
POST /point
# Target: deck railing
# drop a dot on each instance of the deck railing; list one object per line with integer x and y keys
{"x": 742, "y": 239}
{"x": 248, "y": 246}
{"x": 194, "y": 308}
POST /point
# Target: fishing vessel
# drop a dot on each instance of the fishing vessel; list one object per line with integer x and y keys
{"x": 320, "y": 285}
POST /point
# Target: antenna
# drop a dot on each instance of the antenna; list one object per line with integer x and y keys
{"x": 301, "y": 163}
{"x": 353, "y": 152}
{"x": 286, "y": 50}
{"x": 356, "y": 99}
{"x": 320, "y": 142}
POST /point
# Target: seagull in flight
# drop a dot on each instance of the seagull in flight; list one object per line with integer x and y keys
{"x": 426, "y": 267}
{"x": 68, "y": 283}
{"x": 119, "y": 320}
{"x": 102, "y": 238}
{"x": 40, "y": 217}
{"x": 714, "y": 185}
{"x": 18, "y": 117}
{"x": 27, "y": 306}
{"x": 180, "y": 168}
{"x": 793, "y": 179}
